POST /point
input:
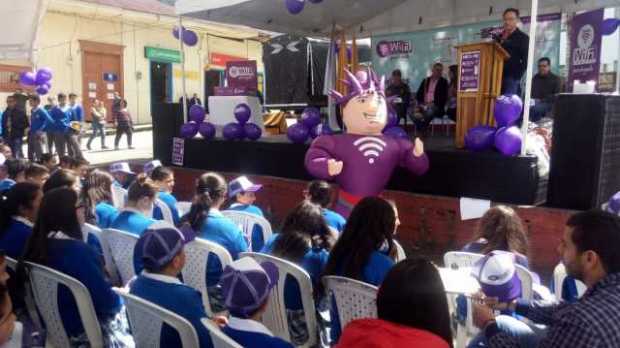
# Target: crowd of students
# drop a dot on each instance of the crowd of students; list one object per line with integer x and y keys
{"x": 45, "y": 206}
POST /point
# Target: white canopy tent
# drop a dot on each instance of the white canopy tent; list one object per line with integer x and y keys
{"x": 21, "y": 20}
{"x": 371, "y": 17}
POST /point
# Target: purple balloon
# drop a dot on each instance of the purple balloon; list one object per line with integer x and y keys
{"x": 190, "y": 38}
{"x": 320, "y": 129}
{"x": 243, "y": 113}
{"x": 392, "y": 119}
{"x": 311, "y": 117}
{"x": 508, "y": 110}
{"x": 609, "y": 26}
{"x": 396, "y": 132}
{"x": 27, "y": 78}
{"x": 43, "y": 89}
{"x": 207, "y": 130}
{"x": 614, "y": 204}
{"x": 252, "y": 131}
{"x": 316, "y": 1}
{"x": 480, "y": 138}
{"x": 298, "y": 133}
{"x": 197, "y": 113}
{"x": 295, "y": 6}
{"x": 44, "y": 75}
{"x": 233, "y": 131}
{"x": 189, "y": 130}
{"x": 175, "y": 31}
{"x": 508, "y": 140}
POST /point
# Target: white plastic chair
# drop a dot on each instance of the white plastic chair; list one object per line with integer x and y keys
{"x": 275, "y": 317}
{"x": 121, "y": 247}
{"x": 354, "y": 299}
{"x": 195, "y": 270}
{"x": 110, "y": 267}
{"x": 11, "y": 263}
{"x": 400, "y": 252}
{"x": 165, "y": 211}
{"x": 460, "y": 259}
{"x": 527, "y": 282}
{"x": 146, "y": 320}
{"x": 246, "y": 223}
{"x": 45, "y": 282}
{"x": 218, "y": 337}
{"x": 184, "y": 207}
{"x": 559, "y": 274}
{"x": 119, "y": 196}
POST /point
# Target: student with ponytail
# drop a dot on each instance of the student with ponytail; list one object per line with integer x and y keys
{"x": 320, "y": 192}
{"x": 97, "y": 195}
{"x": 140, "y": 198}
{"x": 18, "y": 211}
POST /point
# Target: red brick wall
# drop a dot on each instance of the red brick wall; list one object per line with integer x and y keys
{"x": 431, "y": 225}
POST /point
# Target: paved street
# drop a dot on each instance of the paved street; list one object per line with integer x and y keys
{"x": 142, "y": 141}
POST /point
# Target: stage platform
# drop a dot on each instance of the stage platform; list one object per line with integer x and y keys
{"x": 453, "y": 172}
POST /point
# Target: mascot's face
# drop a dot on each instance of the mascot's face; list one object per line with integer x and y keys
{"x": 366, "y": 114}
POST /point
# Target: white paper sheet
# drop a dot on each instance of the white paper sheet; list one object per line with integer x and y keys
{"x": 473, "y": 208}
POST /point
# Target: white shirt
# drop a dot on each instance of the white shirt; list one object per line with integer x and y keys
{"x": 23, "y": 220}
{"x": 161, "y": 277}
{"x": 248, "y": 325}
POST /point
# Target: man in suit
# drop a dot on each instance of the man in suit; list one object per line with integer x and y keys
{"x": 14, "y": 125}
{"x": 516, "y": 43}
{"x": 432, "y": 96}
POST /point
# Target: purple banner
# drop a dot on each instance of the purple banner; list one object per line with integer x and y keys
{"x": 242, "y": 74}
{"x": 234, "y": 91}
{"x": 469, "y": 77}
{"x": 585, "y": 45}
{"x": 394, "y": 48}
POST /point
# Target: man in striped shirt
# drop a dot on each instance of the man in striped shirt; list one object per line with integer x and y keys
{"x": 590, "y": 251}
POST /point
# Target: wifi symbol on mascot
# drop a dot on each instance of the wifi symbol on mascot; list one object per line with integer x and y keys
{"x": 370, "y": 147}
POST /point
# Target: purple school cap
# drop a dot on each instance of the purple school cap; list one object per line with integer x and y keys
{"x": 497, "y": 275}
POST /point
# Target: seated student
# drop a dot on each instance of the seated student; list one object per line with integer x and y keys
{"x": 412, "y": 311}
{"x": 67, "y": 163}
{"x": 242, "y": 193}
{"x": 246, "y": 285}
{"x": 18, "y": 210}
{"x": 49, "y": 160}
{"x": 37, "y": 174}
{"x": 134, "y": 218}
{"x": 501, "y": 229}
{"x": 365, "y": 251}
{"x": 82, "y": 166}
{"x": 320, "y": 192}
{"x": 150, "y": 166}
{"x": 206, "y": 221}
{"x": 57, "y": 242}
{"x": 97, "y": 196}
{"x": 305, "y": 240}
{"x": 16, "y": 172}
{"x": 164, "y": 179}
{"x": 62, "y": 178}
{"x": 123, "y": 176}
{"x": 163, "y": 258}
{"x": 7, "y": 319}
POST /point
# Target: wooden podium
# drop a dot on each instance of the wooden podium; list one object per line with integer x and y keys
{"x": 481, "y": 68}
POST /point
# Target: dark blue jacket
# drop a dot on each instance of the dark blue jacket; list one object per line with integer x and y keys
{"x": 517, "y": 45}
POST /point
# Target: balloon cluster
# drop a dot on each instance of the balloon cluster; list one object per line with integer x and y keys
{"x": 310, "y": 126}
{"x": 391, "y": 127}
{"x": 507, "y": 137}
{"x": 41, "y": 78}
{"x": 190, "y": 38}
{"x": 610, "y": 25}
{"x": 242, "y": 128}
{"x": 197, "y": 124}
{"x": 296, "y": 6}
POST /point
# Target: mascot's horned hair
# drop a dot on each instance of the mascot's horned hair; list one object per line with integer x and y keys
{"x": 357, "y": 88}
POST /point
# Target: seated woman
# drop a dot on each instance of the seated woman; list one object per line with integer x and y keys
{"x": 164, "y": 179}
{"x": 97, "y": 194}
{"x": 319, "y": 192}
{"x": 57, "y": 242}
{"x": 134, "y": 218}
{"x": 304, "y": 240}
{"x": 242, "y": 194}
{"x": 501, "y": 229}
{"x": 412, "y": 311}
{"x": 205, "y": 221}
{"x": 18, "y": 210}
{"x": 365, "y": 251}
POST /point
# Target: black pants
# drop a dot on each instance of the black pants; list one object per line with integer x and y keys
{"x": 120, "y": 130}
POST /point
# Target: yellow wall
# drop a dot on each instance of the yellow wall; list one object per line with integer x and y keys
{"x": 59, "y": 49}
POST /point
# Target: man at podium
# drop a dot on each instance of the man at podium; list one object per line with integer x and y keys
{"x": 516, "y": 43}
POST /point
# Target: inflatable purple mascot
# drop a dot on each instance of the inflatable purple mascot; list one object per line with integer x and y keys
{"x": 362, "y": 160}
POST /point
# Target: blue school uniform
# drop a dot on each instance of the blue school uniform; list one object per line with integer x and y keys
{"x": 62, "y": 119}
{"x": 40, "y": 120}
{"x": 334, "y": 220}
{"x": 6, "y": 184}
{"x": 221, "y": 230}
{"x": 13, "y": 239}
{"x": 252, "y": 334}
{"x": 169, "y": 293}
{"x": 105, "y": 214}
{"x": 257, "y": 231}
{"x": 136, "y": 223}
{"x": 171, "y": 202}
{"x": 78, "y": 113}
{"x": 76, "y": 259}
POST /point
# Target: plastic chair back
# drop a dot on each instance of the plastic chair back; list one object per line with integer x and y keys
{"x": 165, "y": 211}
{"x": 119, "y": 196}
{"x": 354, "y": 299}
{"x": 147, "y": 319}
{"x": 11, "y": 263}
{"x": 527, "y": 282}
{"x": 195, "y": 270}
{"x": 246, "y": 223}
{"x": 184, "y": 207}
{"x": 559, "y": 274}
{"x": 400, "y": 252}
{"x": 275, "y": 317}
{"x": 45, "y": 282}
{"x": 218, "y": 337}
{"x": 460, "y": 259}
{"x": 110, "y": 267}
{"x": 121, "y": 246}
